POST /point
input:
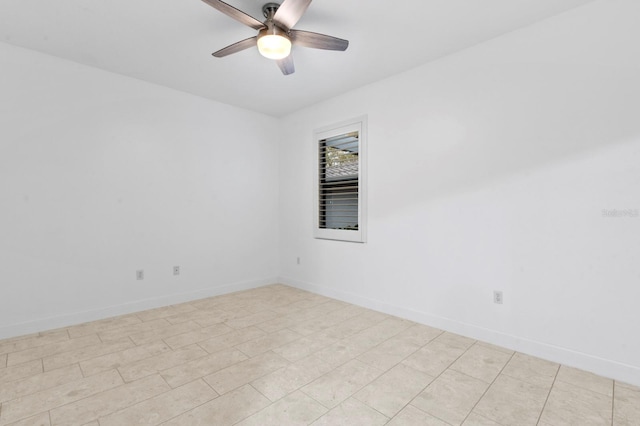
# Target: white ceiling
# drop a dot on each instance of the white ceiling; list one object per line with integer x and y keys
{"x": 169, "y": 42}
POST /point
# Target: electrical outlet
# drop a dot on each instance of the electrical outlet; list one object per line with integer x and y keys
{"x": 140, "y": 274}
{"x": 176, "y": 270}
{"x": 497, "y": 297}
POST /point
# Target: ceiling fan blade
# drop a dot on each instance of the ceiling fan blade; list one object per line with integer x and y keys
{"x": 236, "y": 47}
{"x": 290, "y": 12}
{"x": 286, "y": 65}
{"x": 317, "y": 41}
{"x": 236, "y": 14}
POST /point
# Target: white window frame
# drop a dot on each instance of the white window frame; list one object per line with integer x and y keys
{"x": 358, "y": 124}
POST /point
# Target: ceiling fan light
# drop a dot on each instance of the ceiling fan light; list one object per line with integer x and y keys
{"x": 273, "y": 45}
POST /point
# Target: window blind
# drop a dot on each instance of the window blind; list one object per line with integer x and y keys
{"x": 338, "y": 180}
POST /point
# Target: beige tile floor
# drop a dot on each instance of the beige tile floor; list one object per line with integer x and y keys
{"x": 281, "y": 356}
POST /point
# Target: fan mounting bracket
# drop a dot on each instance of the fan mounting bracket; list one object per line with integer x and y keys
{"x": 270, "y": 9}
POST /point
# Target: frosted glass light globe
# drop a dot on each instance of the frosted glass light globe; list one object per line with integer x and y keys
{"x": 274, "y": 46}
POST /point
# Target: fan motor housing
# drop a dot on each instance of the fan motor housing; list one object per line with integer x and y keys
{"x": 272, "y": 30}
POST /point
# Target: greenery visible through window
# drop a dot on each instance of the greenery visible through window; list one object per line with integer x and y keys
{"x": 341, "y": 162}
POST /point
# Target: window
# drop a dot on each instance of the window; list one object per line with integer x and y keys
{"x": 341, "y": 196}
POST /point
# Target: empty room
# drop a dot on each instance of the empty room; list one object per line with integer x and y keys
{"x": 320, "y": 213}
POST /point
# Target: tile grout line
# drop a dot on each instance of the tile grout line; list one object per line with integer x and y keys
{"x": 206, "y": 383}
{"x": 488, "y": 387}
{"x": 352, "y": 359}
{"x": 367, "y": 405}
{"x": 198, "y": 345}
{"x": 191, "y": 409}
{"x": 27, "y": 349}
{"x": 53, "y": 354}
{"x": 613, "y": 402}
{"x": 138, "y": 402}
{"x": 79, "y": 367}
{"x": 207, "y": 354}
{"x": 549, "y": 394}
{"x": 101, "y": 340}
{"x": 391, "y": 368}
{"x": 403, "y": 359}
{"x": 407, "y": 356}
{"x": 365, "y": 329}
{"x": 86, "y": 359}
{"x": 419, "y": 392}
{"x": 435, "y": 378}
{"x": 120, "y": 374}
{"x": 82, "y": 399}
{"x": 268, "y": 399}
{"x": 160, "y": 394}
{"x": 219, "y": 395}
{"x": 356, "y": 391}
{"x": 124, "y": 383}
{"x": 167, "y": 383}
{"x": 42, "y": 389}
{"x": 315, "y": 400}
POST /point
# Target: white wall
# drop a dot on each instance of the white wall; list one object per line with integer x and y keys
{"x": 489, "y": 169}
{"x": 101, "y": 175}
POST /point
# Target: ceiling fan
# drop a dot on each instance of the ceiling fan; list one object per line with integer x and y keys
{"x": 276, "y": 34}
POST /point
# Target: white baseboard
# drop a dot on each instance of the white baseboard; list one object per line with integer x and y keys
{"x": 603, "y": 367}
{"x": 65, "y": 320}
